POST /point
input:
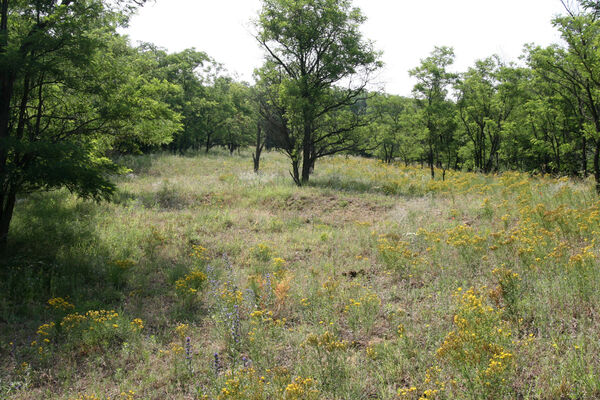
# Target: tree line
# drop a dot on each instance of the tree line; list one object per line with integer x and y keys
{"x": 74, "y": 92}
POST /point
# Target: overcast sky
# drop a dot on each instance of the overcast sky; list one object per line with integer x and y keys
{"x": 406, "y": 31}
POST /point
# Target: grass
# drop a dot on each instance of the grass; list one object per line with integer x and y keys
{"x": 204, "y": 280}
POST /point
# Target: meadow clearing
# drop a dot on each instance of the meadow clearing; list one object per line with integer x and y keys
{"x": 203, "y": 280}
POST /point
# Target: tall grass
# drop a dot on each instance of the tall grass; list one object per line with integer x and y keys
{"x": 204, "y": 280}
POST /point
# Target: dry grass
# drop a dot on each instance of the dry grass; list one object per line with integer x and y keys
{"x": 377, "y": 256}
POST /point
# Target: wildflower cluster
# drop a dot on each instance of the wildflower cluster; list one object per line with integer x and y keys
{"x": 230, "y": 295}
{"x": 478, "y": 344}
{"x": 124, "y": 264}
{"x": 326, "y": 341}
{"x": 199, "y": 253}
{"x": 60, "y": 304}
{"x": 430, "y": 388}
{"x": 404, "y": 180}
{"x": 508, "y": 288}
{"x": 137, "y": 324}
{"x": 301, "y": 389}
{"x": 90, "y": 319}
{"x": 192, "y": 283}
{"x": 229, "y": 316}
{"x": 128, "y": 395}
{"x": 94, "y": 328}
{"x": 397, "y": 255}
{"x": 363, "y": 311}
{"x": 278, "y": 263}
{"x": 182, "y": 330}
{"x": 463, "y": 235}
{"x": 263, "y": 327}
{"x": 247, "y": 383}
{"x": 329, "y": 287}
{"x": 244, "y": 383}
{"x": 281, "y": 290}
{"x": 262, "y": 252}
{"x": 45, "y": 332}
{"x": 118, "y": 270}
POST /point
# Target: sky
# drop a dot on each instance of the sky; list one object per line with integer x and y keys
{"x": 406, "y": 31}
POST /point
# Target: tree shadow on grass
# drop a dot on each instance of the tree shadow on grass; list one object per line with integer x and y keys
{"x": 53, "y": 251}
{"x": 138, "y": 164}
{"x": 344, "y": 185}
{"x": 359, "y": 187}
{"x": 57, "y": 248}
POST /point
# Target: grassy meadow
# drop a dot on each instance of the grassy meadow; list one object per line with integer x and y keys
{"x": 203, "y": 280}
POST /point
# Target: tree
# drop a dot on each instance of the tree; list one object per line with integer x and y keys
{"x": 239, "y": 129}
{"x": 187, "y": 70}
{"x": 392, "y": 131}
{"x": 431, "y": 90}
{"x": 148, "y": 98}
{"x": 553, "y": 142}
{"x": 62, "y": 101}
{"x": 260, "y": 111}
{"x": 325, "y": 65}
{"x": 574, "y": 71}
{"x": 488, "y": 94}
{"x": 259, "y": 145}
{"x": 272, "y": 114}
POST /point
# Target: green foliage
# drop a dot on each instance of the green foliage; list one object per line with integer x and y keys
{"x": 314, "y": 47}
{"x": 394, "y": 130}
{"x": 436, "y": 112}
{"x": 489, "y": 94}
{"x": 71, "y": 91}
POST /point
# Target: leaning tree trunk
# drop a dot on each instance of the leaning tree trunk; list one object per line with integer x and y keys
{"x": 6, "y": 91}
{"x": 7, "y": 78}
{"x": 258, "y": 149}
{"x": 296, "y": 171}
{"x": 6, "y": 212}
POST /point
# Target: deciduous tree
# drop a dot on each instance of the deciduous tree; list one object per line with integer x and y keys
{"x": 62, "y": 101}
{"x": 325, "y": 65}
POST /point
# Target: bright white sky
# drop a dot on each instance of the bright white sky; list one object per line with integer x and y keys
{"x": 405, "y": 30}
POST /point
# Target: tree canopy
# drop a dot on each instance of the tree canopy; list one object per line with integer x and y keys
{"x": 70, "y": 89}
{"x": 323, "y": 65}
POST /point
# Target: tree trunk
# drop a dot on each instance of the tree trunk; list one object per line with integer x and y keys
{"x": 430, "y": 156}
{"x": 7, "y": 78}
{"x": 6, "y": 91}
{"x": 8, "y": 205}
{"x": 208, "y": 142}
{"x": 258, "y": 149}
{"x": 296, "y": 172}
{"x": 597, "y": 166}
{"x": 256, "y": 161}
{"x": 306, "y": 167}
{"x": 306, "y": 153}
{"x": 584, "y": 157}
